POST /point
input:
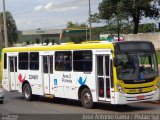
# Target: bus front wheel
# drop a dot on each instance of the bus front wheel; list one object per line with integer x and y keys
{"x": 86, "y": 98}
{"x": 27, "y": 92}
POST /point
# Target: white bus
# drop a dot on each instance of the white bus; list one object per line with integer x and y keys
{"x": 90, "y": 72}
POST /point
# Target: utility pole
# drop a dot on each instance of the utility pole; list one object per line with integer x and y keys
{"x": 86, "y": 34}
{"x": 5, "y": 25}
{"x": 90, "y": 24}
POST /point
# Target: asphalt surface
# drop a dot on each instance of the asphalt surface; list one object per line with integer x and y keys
{"x": 15, "y": 104}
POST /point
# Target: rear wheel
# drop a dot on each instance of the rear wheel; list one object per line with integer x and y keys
{"x": 27, "y": 92}
{"x": 86, "y": 98}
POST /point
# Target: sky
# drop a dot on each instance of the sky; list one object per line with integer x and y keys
{"x": 49, "y": 14}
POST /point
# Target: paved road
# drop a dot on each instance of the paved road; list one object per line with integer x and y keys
{"x": 15, "y": 104}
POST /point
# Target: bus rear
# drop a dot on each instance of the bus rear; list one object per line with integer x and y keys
{"x": 136, "y": 72}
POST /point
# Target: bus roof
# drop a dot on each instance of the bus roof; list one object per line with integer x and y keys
{"x": 84, "y": 46}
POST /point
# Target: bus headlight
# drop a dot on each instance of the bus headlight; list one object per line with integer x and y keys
{"x": 120, "y": 89}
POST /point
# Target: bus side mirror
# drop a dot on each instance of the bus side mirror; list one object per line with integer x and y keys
{"x": 115, "y": 62}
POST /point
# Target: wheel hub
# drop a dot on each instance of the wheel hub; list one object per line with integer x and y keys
{"x": 87, "y": 98}
{"x": 27, "y": 92}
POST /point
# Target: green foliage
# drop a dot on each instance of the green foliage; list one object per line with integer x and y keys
{"x": 47, "y": 41}
{"x": 125, "y": 29}
{"x": 145, "y": 28}
{"x": 37, "y": 40}
{"x": 121, "y": 11}
{"x": 53, "y": 41}
{"x": 27, "y": 42}
{"x": 158, "y": 56}
{"x": 11, "y": 28}
{"x": 76, "y": 25}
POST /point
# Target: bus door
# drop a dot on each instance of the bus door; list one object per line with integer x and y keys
{"x": 103, "y": 77}
{"x": 13, "y": 71}
{"x": 47, "y": 72}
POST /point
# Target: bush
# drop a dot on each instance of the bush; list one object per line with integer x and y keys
{"x": 158, "y": 56}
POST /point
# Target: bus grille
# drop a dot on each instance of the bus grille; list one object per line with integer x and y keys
{"x": 139, "y": 90}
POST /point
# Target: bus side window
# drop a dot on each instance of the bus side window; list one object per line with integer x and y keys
{"x": 23, "y": 61}
{"x": 63, "y": 61}
{"x": 34, "y": 61}
{"x": 82, "y": 61}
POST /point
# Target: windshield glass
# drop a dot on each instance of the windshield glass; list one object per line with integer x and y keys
{"x": 136, "y": 66}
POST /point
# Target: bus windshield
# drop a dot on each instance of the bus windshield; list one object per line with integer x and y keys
{"x": 136, "y": 66}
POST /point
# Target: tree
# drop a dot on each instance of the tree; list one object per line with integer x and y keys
{"x": 115, "y": 20}
{"x": 131, "y": 9}
{"x": 27, "y": 42}
{"x": 37, "y": 40}
{"x": 76, "y": 25}
{"x": 47, "y": 41}
{"x": 125, "y": 29}
{"x": 53, "y": 41}
{"x": 149, "y": 27}
{"x": 11, "y": 28}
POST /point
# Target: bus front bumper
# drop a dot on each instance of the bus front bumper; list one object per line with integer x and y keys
{"x": 131, "y": 98}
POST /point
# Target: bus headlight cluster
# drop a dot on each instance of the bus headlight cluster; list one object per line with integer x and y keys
{"x": 120, "y": 89}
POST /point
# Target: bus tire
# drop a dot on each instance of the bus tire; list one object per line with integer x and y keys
{"x": 86, "y": 98}
{"x": 27, "y": 92}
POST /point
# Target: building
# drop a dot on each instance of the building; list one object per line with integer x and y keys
{"x": 55, "y": 36}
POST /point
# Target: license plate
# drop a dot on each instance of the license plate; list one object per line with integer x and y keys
{"x": 140, "y": 97}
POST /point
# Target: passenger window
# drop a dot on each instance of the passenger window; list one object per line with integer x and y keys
{"x": 63, "y": 61}
{"x": 82, "y": 61}
{"x": 34, "y": 61}
{"x": 23, "y": 61}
